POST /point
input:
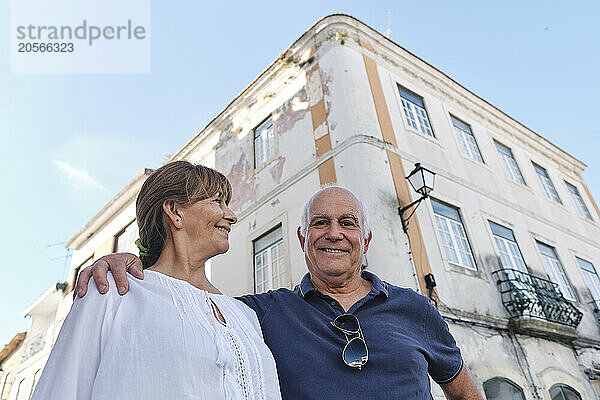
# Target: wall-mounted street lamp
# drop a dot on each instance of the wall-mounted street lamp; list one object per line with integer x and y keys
{"x": 422, "y": 180}
{"x": 61, "y": 286}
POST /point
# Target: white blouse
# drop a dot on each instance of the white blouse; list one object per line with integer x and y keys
{"x": 159, "y": 341}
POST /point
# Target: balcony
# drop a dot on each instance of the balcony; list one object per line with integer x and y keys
{"x": 536, "y": 305}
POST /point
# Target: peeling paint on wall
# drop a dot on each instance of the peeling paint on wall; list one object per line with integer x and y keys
{"x": 291, "y": 112}
{"x": 326, "y": 80}
{"x": 315, "y": 92}
{"x": 321, "y": 130}
{"x": 244, "y": 187}
{"x": 277, "y": 169}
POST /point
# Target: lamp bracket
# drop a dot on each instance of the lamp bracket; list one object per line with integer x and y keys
{"x": 402, "y": 210}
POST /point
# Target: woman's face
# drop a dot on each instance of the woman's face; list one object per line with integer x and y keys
{"x": 208, "y": 223}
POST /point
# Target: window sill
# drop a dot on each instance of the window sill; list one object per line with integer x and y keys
{"x": 420, "y": 134}
{"x": 264, "y": 165}
{"x": 589, "y": 221}
{"x": 450, "y": 266}
{"x": 519, "y": 184}
{"x": 481, "y": 164}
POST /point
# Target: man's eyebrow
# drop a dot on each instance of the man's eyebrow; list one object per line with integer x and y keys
{"x": 317, "y": 216}
{"x": 351, "y": 216}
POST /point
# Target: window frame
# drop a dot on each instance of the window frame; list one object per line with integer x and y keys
{"x": 124, "y": 232}
{"x": 19, "y": 389}
{"x": 580, "y": 205}
{"x": 572, "y": 296}
{"x": 462, "y": 135}
{"x": 497, "y": 237}
{"x": 4, "y": 385}
{"x": 504, "y": 157}
{"x": 589, "y": 281}
{"x": 503, "y": 380}
{"x": 414, "y": 121}
{"x": 284, "y": 272}
{"x": 84, "y": 264}
{"x": 546, "y": 183}
{"x": 461, "y": 224}
{"x": 266, "y": 160}
{"x": 36, "y": 378}
{"x": 562, "y": 387}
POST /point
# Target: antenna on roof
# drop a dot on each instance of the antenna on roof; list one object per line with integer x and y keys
{"x": 388, "y": 30}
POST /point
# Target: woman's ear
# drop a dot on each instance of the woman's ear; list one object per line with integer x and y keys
{"x": 173, "y": 213}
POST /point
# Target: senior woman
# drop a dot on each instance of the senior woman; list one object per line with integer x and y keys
{"x": 175, "y": 336}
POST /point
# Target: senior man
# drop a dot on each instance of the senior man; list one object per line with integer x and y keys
{"x": 341, "y": 333}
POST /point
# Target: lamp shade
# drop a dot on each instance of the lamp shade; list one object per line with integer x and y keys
{"x": 421, "y": 179}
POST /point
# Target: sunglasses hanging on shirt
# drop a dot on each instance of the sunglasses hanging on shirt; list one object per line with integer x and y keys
{"x": 355, "y": 353}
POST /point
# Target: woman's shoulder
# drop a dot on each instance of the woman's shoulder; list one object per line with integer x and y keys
{"x": 112, "y": 296}
{"x": 94, "y": 296}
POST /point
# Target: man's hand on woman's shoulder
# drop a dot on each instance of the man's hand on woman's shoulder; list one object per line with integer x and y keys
{"x": 119, "y": 264}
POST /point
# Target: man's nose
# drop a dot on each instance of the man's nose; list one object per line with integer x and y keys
{"x": 334, "y": 232}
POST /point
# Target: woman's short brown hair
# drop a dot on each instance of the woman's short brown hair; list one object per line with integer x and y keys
{"x": 182, "y": 182}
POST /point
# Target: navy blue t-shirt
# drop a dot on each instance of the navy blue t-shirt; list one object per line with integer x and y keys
{"x": 406, "y": 337}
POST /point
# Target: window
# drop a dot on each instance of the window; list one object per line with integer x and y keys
{"x": 415, "y": 112}
{"x": 269, "y": 261}
{"x": 454, "y": 239}
{"x": 555, "y": 270}
{"x": 510, "y": 255}
{"x": 36, "y": 378}
{"x": 510, "y": 164}
{"x": 125, "y": 240}
{"x": 21, "y": 392}
{"x": 502, "y": 389}
{"x": 581, "y": 207}
{"x": 264, "y": 142}
{"x": 591, "y": 277}
{"x": 468, "y": 144}
{"x": 5, "y": 386}
{"x": 547, "y": 184}
{"x": 563, "y": 392}
{"x": 83, "y": 265}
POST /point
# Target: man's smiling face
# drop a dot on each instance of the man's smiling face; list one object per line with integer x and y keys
{"x": 334, "y": 242}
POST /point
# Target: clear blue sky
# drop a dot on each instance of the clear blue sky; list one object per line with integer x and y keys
{"x": 68, "y": 143}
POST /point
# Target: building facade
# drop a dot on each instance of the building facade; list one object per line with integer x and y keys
{"x": 509, "y": 232}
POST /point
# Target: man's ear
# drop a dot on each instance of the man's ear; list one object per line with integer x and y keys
{"x": 301, "y": 238}
{"x": 173, "y": 213}
{"x": 367, "y": 242}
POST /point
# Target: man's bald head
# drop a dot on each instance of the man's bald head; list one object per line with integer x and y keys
{"x": 363, "y": 218}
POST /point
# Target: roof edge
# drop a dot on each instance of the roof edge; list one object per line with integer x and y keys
{"x": 12, "y": 346}
{"x": 191, "y": 143}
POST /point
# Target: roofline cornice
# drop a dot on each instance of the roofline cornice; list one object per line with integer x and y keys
{"x": 373, "y": 43}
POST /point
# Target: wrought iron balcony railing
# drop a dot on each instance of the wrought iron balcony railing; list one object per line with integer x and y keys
{"x": 525, "y": 295}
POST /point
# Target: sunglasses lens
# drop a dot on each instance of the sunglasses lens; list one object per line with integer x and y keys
{"x": 347, "y": 322}
{"x": 355, "y": 353}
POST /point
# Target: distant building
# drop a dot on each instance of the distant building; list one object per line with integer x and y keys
{"x": 10, "y": 358}
{"x": 510, "y": 232}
